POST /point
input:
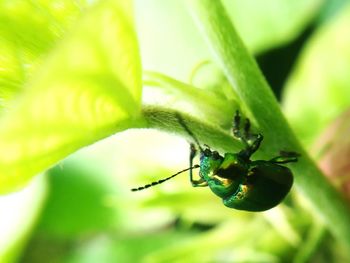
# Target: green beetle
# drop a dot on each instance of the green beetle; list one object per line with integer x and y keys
{"x": 241, "y": 183}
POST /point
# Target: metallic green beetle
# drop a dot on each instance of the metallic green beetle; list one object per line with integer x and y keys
{"x": 241, "y": 183}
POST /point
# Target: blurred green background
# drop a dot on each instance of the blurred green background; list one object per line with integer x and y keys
{"x": 82, "y": 210}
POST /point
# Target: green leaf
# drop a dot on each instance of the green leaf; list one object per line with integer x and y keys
{"x": 318, "y": 90}
{"x": 87, "y": 89}
{"x": 28, "y": 30}
{"x": 76, "y": 193}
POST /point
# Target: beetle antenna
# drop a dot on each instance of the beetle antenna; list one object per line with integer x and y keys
{"x": 183, "y": 124}
{"x": 163, "y": 180}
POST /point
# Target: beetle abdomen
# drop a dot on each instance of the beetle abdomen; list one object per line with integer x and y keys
{"x": 266, "y": 186}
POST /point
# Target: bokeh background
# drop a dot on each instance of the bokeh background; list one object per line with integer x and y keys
{"x": 82, "y": 210}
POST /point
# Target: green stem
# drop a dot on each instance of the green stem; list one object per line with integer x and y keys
{"x": 259, "y": 103}
{"x": 167, "y": 120}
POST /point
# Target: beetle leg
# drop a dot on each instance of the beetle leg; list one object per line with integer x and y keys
{"x": 252, "y": 148}
{"x": 195, "y": 183}
{"x": 246, "y": 133}
{"x": 193, "y": 153}
{"x": 289, "y": 154}
{"x": 236, "y": 126}
{"x": 252, "y": 141}
{"x": 250, "y": 138}
{"x": 199, "y": 183}
{"x": 236, "y": 129}
{"x": 285, "y": 157}
{"x": 256, "y": 144}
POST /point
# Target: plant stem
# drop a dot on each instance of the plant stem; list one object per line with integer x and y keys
{"x": 168, "y": 120}
{"x": 261, "y": 106}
